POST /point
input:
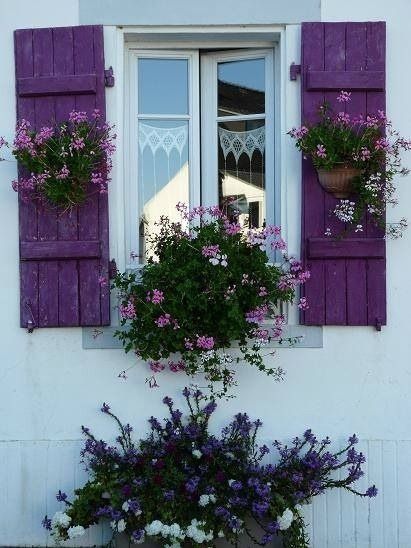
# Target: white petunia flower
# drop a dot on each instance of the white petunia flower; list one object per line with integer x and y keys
{"x": 212, "y": 498}
{"x": 165, "y": 530}
{"x": 197, "y": 454}
{"x": 121, "y": 526}
{"x": 175, "y": 530}
{"x": 76, "y": 531}
{"x": 284, "y": 521}
{"x": 60, "y": 519}
{"x": 154, "y": 528}
{"x": 125, "y": 506}
{"x": 221, "y": 534}
{"x": 204, "y": 500}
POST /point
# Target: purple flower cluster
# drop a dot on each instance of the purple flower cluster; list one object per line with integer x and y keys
{"x": 181, "y": 472}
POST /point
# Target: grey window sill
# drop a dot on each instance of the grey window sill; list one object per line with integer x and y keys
{"x": 304, "y": 337}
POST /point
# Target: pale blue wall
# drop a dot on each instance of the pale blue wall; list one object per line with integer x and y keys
{"x": 198, "y": 12}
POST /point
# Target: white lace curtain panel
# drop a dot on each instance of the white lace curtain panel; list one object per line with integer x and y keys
{"x": 242, "y": 142}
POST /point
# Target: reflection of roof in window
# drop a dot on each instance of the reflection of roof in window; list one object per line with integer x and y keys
{"x": 235, "y": 99}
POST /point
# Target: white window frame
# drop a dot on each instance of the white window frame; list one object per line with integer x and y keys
{"x": 131, "y": 138}
{"x": 209, "y": 124}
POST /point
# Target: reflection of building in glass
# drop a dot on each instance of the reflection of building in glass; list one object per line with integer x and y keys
{"x": 236, "y": 100}
{"x": 241, "y": 154}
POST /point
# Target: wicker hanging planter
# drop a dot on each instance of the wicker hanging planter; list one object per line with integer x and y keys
{"x": 338, "y": 181}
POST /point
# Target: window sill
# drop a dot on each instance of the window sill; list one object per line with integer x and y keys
{"x": 305, "y": 336}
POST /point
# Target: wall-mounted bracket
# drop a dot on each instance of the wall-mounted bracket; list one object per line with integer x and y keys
{"x": 294, "y": 71}
{"x": 31, "y": 323}
{"x": 112, "y": 269}
{"x": 109, "y": 77}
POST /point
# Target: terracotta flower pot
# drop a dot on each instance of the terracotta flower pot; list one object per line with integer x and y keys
{"x": 338, "y": 181}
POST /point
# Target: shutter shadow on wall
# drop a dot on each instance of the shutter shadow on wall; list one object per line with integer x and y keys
{"x": 347, "y": 285}
{"x": 62, "y": 255}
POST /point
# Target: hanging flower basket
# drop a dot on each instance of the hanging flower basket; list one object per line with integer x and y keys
{"x": 64, "y": 162}
{"x": 355, "y": 155}
{"x": 338, "y": 181}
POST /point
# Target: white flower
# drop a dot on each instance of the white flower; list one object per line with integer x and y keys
{"x": 212, "y": 498}
{"x": 175, "y": 530}
{"x": 204, "y": 500}
{"x": 125, "y": 506}
{"x": 60, "y": 519}
{"x": 154, "y": 528}
{"x": 76, "y": 531}
{"x": 175, "y": 544}
{"x": 284, "y": 521}
{"x": 230, "y": 456}
{"x": 214, "y": 261}
{"x": 221, "y": 534}
{"x": 121, "y": 526}
{"x": 224, "y": 260}
{"x": 231, "y": 481}
{"x": 197, "y": 454}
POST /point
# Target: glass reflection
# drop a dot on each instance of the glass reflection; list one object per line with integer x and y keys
{"x": 163, "y": 86}
{"x": 163, "y": 173}
{"x": 241, "y": 87}
{"x": 241, "y": 171}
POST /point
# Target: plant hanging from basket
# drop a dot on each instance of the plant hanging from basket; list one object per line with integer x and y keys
{"x": 207, "y": 285}
{"x": 64, "y": 162}
{"x": 357, "y": 159}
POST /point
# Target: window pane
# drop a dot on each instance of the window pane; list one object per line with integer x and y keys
{"x": 163, "y": 173}
{"x": 241, "y": 170}
{"x": 163, "y": 86}
{"x": 241, "y": 87}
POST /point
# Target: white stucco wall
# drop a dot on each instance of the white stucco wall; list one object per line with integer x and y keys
{"x": 359, "y": 382}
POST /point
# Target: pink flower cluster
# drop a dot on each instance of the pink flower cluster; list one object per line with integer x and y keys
{"x": 258, "y": 315}
{"x": 78, "y": 117}
{"x": 205, "y": 343}
{"x": 321, "y": 152}
{"x": 128, "y": 311}
{"x": 51, "y": 159}
{"x": 163, "y": 320}
{"x": 98, "y": 180}
{"x": 43, "y": 135}
{"x": 156, "y": 296}
{"x": 210, "y": 250}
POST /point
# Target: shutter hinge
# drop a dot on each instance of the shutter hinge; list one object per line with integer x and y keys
{"x": 109, "y": 77}
{"x": 112, "y": 269}
{"x": 294, "y": 70}
{"x": 31, "y": 324}
{"x": 378, "y": 324}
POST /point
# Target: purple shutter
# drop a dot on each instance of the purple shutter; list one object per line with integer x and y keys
{"x": 347, "y": 285}
{"x": 62, "y": 255}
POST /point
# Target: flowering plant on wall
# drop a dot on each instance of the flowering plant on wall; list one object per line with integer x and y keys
{"x": 362, "y": 155}
{"x": 182, "y": 485}
{"x": 207, "y": 284}
{"x": 64, "y": 161}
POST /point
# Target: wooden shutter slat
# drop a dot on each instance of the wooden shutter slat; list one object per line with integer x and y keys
{"x": 348, "y": 80}
{"x": 53, "y": 85}
{"x": 62, "y": 254}
{"x": 30, "y": 251}
{"x": 326, "y": 248}
{"x": 347, "y": 286}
